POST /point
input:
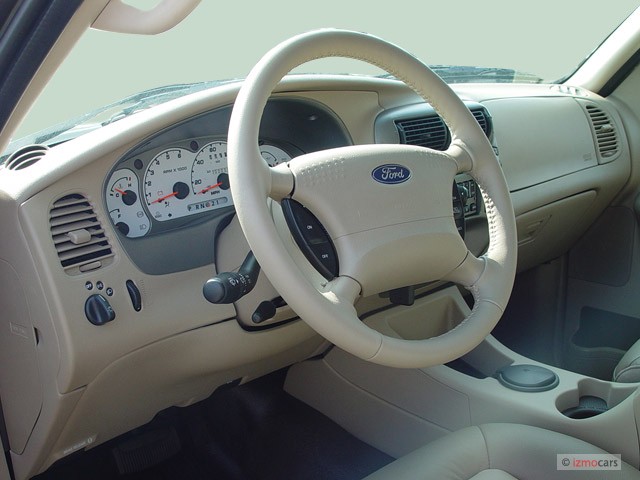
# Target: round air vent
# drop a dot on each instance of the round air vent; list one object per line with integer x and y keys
{"x": 26, "y": 156}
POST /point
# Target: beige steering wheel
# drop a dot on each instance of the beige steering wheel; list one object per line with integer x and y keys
{"x": 386, "y": 235}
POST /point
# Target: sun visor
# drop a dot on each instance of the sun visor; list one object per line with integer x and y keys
{"x": 124, "y": 18}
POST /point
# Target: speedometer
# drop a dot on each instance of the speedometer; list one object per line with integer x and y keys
{"x": 209, "y": 178}
{"x": 181, "y": 181}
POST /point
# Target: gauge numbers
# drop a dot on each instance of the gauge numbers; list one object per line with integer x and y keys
{"x": 166, "y": 184}
{"x": 177, "y": 182}
{"x": 125, "y": 208}
{"x": 209, "y": 178}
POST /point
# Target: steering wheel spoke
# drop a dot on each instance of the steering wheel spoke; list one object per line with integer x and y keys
{"x": 281, "y": 182}
{"x": 459, "y": 154}
{"x": 468, "y": 272}
{"x": 342, "y": 290}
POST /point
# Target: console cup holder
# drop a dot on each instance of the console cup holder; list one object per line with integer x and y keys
{"x": 588, "y": 406}
{"x": 591, "y": 398}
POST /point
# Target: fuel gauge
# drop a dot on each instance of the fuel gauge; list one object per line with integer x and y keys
{"x": 123, "y": 203}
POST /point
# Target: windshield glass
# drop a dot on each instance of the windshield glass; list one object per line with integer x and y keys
{"x": 466, "y": 41}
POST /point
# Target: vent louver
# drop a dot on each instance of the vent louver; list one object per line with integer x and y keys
{"x": 428, "y": 132}
{"x": 483, "y": 120}
{"x": 26, "y": 156}
{"x": 605, "y": 131}
{"x": 78, "y": 236}
{"x": 431, "y": 132}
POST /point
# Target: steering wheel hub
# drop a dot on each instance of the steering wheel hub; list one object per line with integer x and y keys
{"x": 393, "y": 233}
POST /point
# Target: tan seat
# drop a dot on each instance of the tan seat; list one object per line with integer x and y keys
{"x": 628, "y": 368}
{"x": 498, "y": 452}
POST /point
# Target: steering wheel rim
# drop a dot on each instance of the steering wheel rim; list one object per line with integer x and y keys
{"x": 328, "y": 307}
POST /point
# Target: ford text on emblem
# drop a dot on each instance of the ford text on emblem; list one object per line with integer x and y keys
{"x": 391, "y": 174}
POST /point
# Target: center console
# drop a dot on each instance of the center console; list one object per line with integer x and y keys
{"x": 398, "y": 410}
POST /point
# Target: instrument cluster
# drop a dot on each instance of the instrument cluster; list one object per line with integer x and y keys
{"x": 173, "y": 182}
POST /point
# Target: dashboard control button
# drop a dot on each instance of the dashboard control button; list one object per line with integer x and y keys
{"x": 326, "y": 254}
{"x": 134, "y": 295}
{"x": 88, "y": 285}
{"x": 87, "y": 267}
{"x": 311, "y": 237}
{"x": 99, "y": 285}
{"x": 98, "y": 310}
{"x": 459, "y": 207}
{"x": 309, "y": 225}
{"x": 265, "y": 311}
{"x": 229, "y": 287}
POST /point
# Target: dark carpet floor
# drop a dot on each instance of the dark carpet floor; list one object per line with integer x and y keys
{"x": 250, "y": 432}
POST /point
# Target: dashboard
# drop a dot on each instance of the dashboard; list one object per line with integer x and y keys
{"x": 145, "y": 202}
{"x": 174, "y": 183}
{"x": 176, "y": 180}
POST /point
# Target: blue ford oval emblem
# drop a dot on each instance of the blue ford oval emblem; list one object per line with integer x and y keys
{"x": 391, "y": 174}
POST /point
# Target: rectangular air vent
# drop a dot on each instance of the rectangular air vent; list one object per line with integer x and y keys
{"x": 78, "y": 236}
{"x": 431, "y": 132}
{"x": 605, "y": 132}
{"x": 482, "y": 118}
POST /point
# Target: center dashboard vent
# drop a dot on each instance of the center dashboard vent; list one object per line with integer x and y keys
{"x": 431, "y": 131}
{"x": 78, "y": 236}
{"x": 605, "y": 132}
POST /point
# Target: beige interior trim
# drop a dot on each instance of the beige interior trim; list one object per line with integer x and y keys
{"x": 82, "y": 19}
{"x": 52, "y": 337}
{"x": 371, "y": 400}
{"x": 610, "y": 56}
{"x": 499, "y": 451}
{"x": 123, "y": 18}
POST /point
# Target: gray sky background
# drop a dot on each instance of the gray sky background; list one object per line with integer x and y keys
{"x": 225, "y": 39}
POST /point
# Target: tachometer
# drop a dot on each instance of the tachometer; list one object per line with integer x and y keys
{"x": 167, "y": 181}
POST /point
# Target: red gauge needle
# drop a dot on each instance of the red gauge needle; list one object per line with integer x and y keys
{"x": 211, "y": 187}
{"x": 121, "y": 192}
{"x": 172, "y": 194}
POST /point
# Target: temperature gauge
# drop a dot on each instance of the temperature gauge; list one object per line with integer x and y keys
{"x": 123, "y": 203}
